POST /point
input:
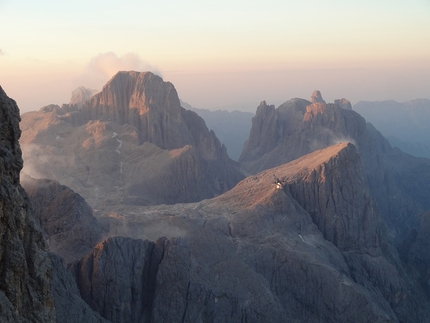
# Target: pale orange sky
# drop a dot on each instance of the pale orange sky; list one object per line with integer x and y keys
{"x": 219, "y": 54}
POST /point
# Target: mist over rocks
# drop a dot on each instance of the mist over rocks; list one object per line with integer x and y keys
{"x": 80, "y": 95}
{"x": 70, "y": 228}
{"x": 130, "y": 143}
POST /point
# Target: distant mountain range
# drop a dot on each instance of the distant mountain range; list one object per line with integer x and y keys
{"x": 405, "y": 125}
{"x": 232, "y": 128}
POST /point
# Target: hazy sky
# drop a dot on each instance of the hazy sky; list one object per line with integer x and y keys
{"x": 218, "y": 54}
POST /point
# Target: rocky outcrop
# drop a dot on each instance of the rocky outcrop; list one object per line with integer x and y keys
{"x": 117, "y": 279}
{"x": 316, "y": 97}
{"x": 343, "y": 103}
{"x": 70, "y": 228}
{"x": 69, "y": 305}
{"x": 397, "y": 181}
{"x": 258, "y": 143}
{"x": 131, "y": 143}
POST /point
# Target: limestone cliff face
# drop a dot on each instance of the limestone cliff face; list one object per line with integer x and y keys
{"x": 70, "y": 228}
{"x": 264, "y": 133}
{"x": 336, "y": 196}
{"x": 130, "y": 268}
{"x": 34, "y": 284}
{"x": 24, "y": 267}
{"x": 131, "y": 143}
{"x": 146, "y": 102}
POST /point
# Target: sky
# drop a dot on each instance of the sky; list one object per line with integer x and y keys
{"x": 218, "y": 54}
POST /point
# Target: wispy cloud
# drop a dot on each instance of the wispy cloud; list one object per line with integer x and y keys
{"x": 103, "y": 66}
{"x": 1, "y": 52}
{"x": 109, "y": 64}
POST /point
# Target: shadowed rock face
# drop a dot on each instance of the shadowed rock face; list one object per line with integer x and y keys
{"x": 70, "y": 227}
{"x": 130, "y": 143}
{"x": 397, "y": 181}
{"x": 24, "y": 269}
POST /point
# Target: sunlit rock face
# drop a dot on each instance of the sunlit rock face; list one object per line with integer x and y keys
{"x": 132, "y": 143}
{"x": 316, "y": 97}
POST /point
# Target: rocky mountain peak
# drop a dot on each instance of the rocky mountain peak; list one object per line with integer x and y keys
{"x": 134, "y": 134}
{"x": 316, "y": 97}
{"x": 145, "y": 101}
{"x": 136, "y": 91}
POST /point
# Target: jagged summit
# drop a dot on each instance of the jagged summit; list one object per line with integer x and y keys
{"x": 145, "y": 101}
{"x": 298, "y": 127}
{"x": 316, "y": 97}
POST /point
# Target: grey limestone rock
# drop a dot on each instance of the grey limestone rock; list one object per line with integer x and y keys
{"x": 68, "y": 221}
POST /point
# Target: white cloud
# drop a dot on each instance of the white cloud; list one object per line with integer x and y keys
{"x": 103, "y": 66}
{"x": 1, "y": 52}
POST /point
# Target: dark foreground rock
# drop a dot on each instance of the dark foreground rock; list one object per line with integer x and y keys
{"x": 24, "y": 267}
{"x": 34, "y": 284}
